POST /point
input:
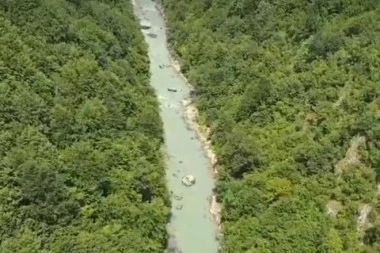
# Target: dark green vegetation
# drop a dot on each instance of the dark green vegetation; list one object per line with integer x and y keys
{"x": 81, "y": 167}
{"x": 290, "y": 90}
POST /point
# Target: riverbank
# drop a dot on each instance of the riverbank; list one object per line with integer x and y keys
{"x": 193, "y": 223}
{"x": 191, "y": 116}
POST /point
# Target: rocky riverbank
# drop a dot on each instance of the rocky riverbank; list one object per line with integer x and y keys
{"x": 191, "y": 116}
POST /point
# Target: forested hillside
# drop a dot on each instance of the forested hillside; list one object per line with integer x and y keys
{"x": 290, "y": 90}
{"x": 80, "y": 137}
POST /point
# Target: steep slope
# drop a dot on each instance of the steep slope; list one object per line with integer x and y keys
{"x": 80, "y": 163}
{"x": 286, "y": 88}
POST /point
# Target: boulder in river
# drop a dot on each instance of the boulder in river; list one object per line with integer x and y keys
{"x": 145, "y": 24}
{"x": 178, "y": 197}
{"x": 172, "y": 90}
{"x": 173, "y": 246}
{"x": 188, "y": 180}
{"x": 152, "y": 35}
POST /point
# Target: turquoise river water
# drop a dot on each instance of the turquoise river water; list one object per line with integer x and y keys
{"x": 191, "y": 224}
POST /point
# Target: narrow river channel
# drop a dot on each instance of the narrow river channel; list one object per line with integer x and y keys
{"x": 191, "y": 223}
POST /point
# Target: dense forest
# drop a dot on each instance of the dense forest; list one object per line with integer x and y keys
{"x": 290, "y": 90}
{"x": 80, "y": 139}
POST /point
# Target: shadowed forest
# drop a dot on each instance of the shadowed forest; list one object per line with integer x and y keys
{"x": 290, "y": 90}
{"x": 80, "y": 138}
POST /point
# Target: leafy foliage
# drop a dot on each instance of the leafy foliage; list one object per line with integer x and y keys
{"x": 288, "y": 88}
{"x": 81, "y": 166}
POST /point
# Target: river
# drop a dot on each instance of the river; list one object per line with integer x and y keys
{"x": 191, "y": 223}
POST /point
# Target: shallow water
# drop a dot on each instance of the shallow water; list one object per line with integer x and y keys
{"x": 192, "y": 226}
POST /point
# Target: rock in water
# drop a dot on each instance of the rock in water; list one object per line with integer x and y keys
{"x": 188, "y": 180}
{"x": 172, "y": 90}
{"x": 173, "y": 246}
{"x": 145, "y": 24}
{"x": 178, "y": 197}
